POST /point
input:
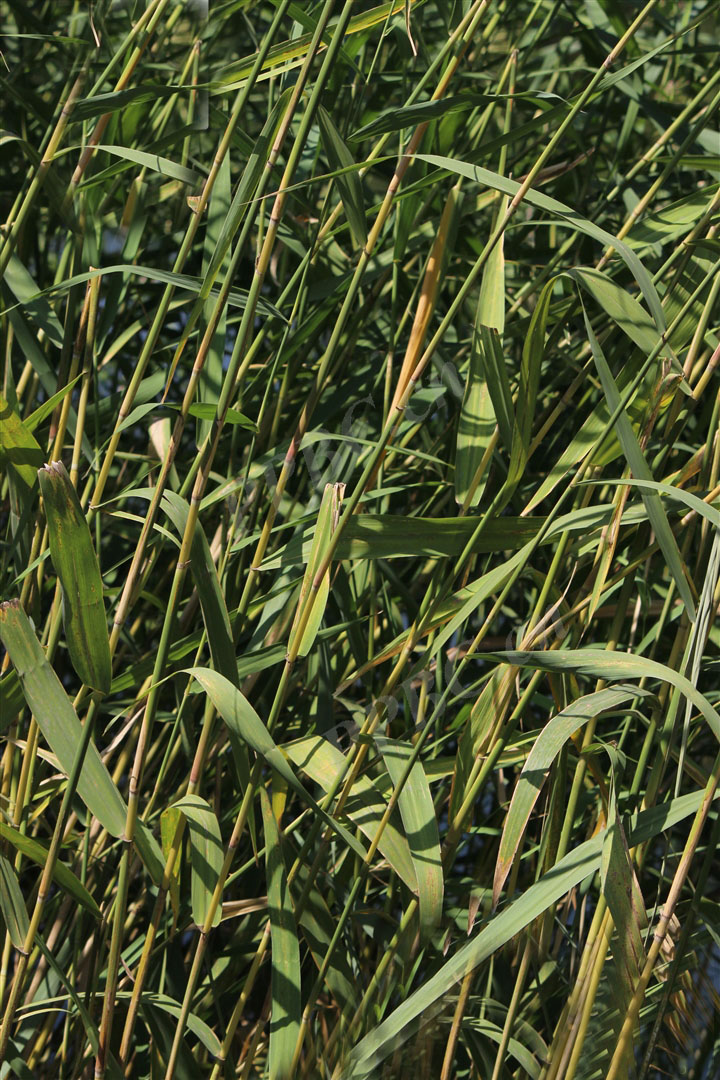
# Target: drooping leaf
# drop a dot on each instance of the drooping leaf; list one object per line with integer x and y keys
{"x": 614, "y": 666}
{"x": 669, "y": 222}
{"x": 114, "y": 100}
{"x": 155, "y": 162}
{"x": 62, "y": 875}
{"x": 565, "y": 213}
{"x": 687, "y": 498}
{"x": 57, "y": 718}
{"x": 365, "y": 805}
{"x": 587, "y": 439}
{"x": 168, "y": 1005}
{"x": 424, "y": 111}
{"x": 33, "y": 302}
{"x": 537, "y": 767}
{"x": 451, "y": 615}
{"x": 212, "y": 602}
{"x": 76, "y": 566}
{"x": 236, "y": 297}
{"x": 238, "y": 713}
{"x": 623, "y": 309}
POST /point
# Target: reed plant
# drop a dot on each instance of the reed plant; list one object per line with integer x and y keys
{"x": 361, "y": 502}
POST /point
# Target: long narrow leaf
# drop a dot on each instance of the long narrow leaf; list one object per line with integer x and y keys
{"x": 62, "y": 875}
{"x": 212, "y": 602}
{"x": 365, "y": 806}
{"x": 566, "y": 214}
{"x": 636, "y": 461}
{"x": 476, "y": 424}
{"x": 76, "y": 566}
{"x": 601, "y": 664}
{"x": 206, "y": 855}
{"x": 423, "y": 1005}
{"x": 349, "y": 184}
{"x": 537, "y": 767}
{"x": 57, "y": 719}
{"x": 621, "y": 890}
{"x": 315, "y": 596}
{"x": 238, "y": 713}
{"x": 285, "y": 983}
{"x": 420, "y": 823}
{"x": 12, "y": 905}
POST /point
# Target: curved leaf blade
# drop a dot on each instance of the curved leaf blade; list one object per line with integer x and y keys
{"x": 365, "y": 806}
{"x": 566, "y": 214}
{"x": 62, "y": 875}
{"x": 613, "y": 666}
{"x": 424, "y": 1004}
{"x": 636, "y": 460}
{"x": 537, "y": 767}
{"x": 12, "y": 905}
{"x": 238, "y": 713}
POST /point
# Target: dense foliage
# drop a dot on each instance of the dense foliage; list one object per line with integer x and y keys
{"x": 361, "y": 498}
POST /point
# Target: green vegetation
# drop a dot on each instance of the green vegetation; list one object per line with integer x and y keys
{"x": 361, "y": 502}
